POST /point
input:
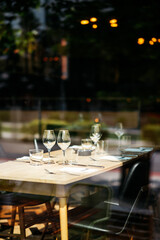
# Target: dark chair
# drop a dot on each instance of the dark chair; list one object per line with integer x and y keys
{"x": 129, "y": 216}
{"x": 18, "y": 201}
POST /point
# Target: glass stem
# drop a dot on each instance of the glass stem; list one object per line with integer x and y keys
{"x": 49, "y": 153}
{"x": 119, "y": 142}
{"x": 96, "y": 147}
{"x": 64, "y": 157}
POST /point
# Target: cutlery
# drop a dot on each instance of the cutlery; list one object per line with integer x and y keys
{"x": 48, "y": 171}
{"x": 89, "y": 165}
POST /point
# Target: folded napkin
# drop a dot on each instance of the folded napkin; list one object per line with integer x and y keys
{"x": 140, "y": 149}
{"x": 79, "y": 147}
{"x": 47, "y": 159}
{"x": 77, "y": 170}
{"x": 76, "y": 147}
{"x": 111, "y": 158}
{"x": 24, "y": 158}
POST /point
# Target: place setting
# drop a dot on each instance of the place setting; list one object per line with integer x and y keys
{"x": 92, "y": 154}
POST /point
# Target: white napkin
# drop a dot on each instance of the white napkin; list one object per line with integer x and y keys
{"x": 110, "y": 158}
{"x": 77, "y": 170}
{"x": 24, "y": 158}
{"x": 140, "y": 149}
{"x": 107, "y": 157}
{"x": 76, "y": 147}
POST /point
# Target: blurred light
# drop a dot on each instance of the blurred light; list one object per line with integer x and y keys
{"x": 45, "y": 59}
{"x": 63, "y": 42}
{"x": 56, "y": 59}
{"x": 94, "y": 26}
{"x": 113, "y": 21}
{"x": 114, "y": 25}
{"x": 129, "y": 100}
{"x": 93, "y": 19}
{"x": 96, "y": 120}
{"x": 16, "y": 51}
{"x": 151, "y": 42}
{"x": 88, "y": 100}
{"x": 158, "y": 40}
{"x": 140, "y": 41}
{"x": 154, "y": 39}
{"x": 35, "y": 32}
{"x": 84, "y": 22}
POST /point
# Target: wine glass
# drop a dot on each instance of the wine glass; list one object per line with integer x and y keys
{"x": 119, "y": 131}
{"x": 64, "y": 141}
{"x": 49, "y": 140}
{"x": 95, "y": 133}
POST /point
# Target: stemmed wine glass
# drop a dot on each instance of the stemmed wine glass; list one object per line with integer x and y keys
{"x": 119, "y": 131}
{"x": 49, "y": 140}
{"x": 95, "y": 133}
{"x": 64, "y": 141}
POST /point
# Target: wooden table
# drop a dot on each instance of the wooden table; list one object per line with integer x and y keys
{"x": 20, "y": 176}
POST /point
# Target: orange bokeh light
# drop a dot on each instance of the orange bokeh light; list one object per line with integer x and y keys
{"x": 93, "y": 19}
{"x": 94, "y": 26}
{"x": 154, "y": 39}
{"x": 112, "y": 21}
{"x": 114, "y": 25}
{"x": 56, "y": 59}
{"x": 96, "y": 120}
{"x": 84, "y": 22}
{"x": 140, "y": 41}
{"x": 151, "y": 42}
{"x": 16, "y": 51}
{"x": 88, "y": 100}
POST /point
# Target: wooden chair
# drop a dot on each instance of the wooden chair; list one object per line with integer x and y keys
{"x": 19, "y": 202}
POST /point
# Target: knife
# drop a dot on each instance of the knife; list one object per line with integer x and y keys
{"x": 84, "y": 165}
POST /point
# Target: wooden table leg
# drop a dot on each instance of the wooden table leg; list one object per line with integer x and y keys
{"x": 63, "y": 218}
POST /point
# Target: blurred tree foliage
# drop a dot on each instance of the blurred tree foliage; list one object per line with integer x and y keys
{"x": 102, "y": 62}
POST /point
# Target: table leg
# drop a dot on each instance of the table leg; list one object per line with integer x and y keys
{"x": 63, "y": 218}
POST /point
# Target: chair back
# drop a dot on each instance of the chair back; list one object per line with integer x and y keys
{"x": 137, "y": 177}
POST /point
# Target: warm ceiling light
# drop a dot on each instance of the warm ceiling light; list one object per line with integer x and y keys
{"x": 93, "y": 19}
{"x": 113, "y": 21}
{"x": 114, "y": 25}
{"x": 154, "y": 39}
{"x": 94, "y": 26}
{"x": 84, "y": 22}
{"x": 158, "y": 40}
{"x": 151, "y": 42}
{"x": 140, "y": 41}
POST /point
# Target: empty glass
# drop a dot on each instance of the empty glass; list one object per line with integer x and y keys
{"x": 119, "y": 131}
{"x": 102, "y": 146}
{"x": 64, "y": 141}
{"x": 36, "y": 156}
{"x": 95, "y": 133}
{"x": 49, "y": 140}
{"x": 125, "y": 141}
